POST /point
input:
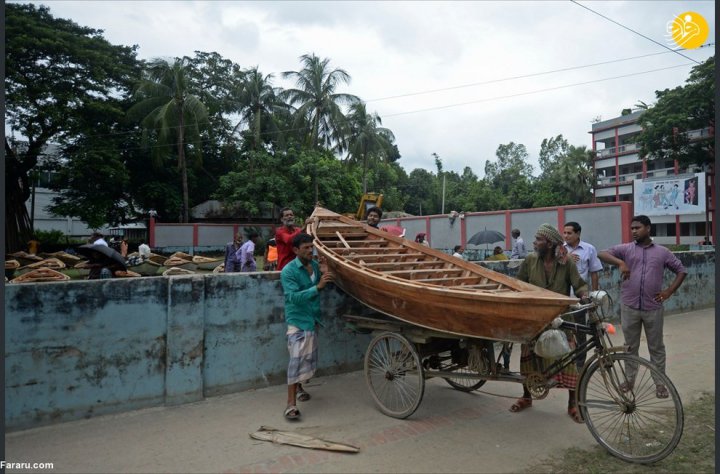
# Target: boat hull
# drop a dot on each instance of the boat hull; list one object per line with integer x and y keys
{"x": 515, "y": 311}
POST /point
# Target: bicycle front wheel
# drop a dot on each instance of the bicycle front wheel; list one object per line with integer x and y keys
{"x": 626, "y": 416}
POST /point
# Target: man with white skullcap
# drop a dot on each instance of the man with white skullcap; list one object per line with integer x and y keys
{"x": 550, "y": 268}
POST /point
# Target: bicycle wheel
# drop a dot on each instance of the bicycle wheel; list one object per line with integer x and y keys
{"x": 462, "y": 384}
{"x": 633, "y": 425}
{"x": 394, "y": 375}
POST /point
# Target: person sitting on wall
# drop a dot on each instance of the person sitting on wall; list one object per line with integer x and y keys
{"x": 498, "y": 254}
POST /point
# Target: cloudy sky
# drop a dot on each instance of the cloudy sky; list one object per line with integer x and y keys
{"x": 452, "y": 78}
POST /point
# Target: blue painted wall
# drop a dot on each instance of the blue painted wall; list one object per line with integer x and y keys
{"x": 81, "y": 348}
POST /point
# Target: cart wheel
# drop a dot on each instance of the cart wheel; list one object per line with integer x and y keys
{"x": 633, "y": 425}
{"x": 394, "y": 374}
{"x": 463, "y": 384}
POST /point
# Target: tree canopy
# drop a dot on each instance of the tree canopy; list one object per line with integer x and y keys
{"x": 678, "y": 111}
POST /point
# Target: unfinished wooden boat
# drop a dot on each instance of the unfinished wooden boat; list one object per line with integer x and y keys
{"x": 177, "y": 271}
{"x": 66, "y": 258}
{"x": 40, "y": 275}
{"x": 145, "y": 268}
{"x": 427, "y": 287}
{"x": 180, "y": 262}
{"x": 24, "y": 258}
{"x": 207, "y": 263}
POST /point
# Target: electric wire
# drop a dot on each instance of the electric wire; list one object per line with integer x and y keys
{"x": 636, "y": 32}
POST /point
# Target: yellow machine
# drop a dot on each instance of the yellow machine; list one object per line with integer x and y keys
{"x": 367, "y": 201}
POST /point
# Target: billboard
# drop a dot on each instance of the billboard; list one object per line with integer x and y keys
{"x": 670, "y": 195}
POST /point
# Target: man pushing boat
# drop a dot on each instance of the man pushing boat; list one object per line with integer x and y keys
{"x": 301, "y": 281}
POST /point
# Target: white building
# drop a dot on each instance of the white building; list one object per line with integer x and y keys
{"x": 618, "y": 164}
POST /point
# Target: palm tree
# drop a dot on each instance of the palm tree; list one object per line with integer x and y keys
{"x": 257, "y": 103}
{"x": 172, "y": 114}
{"x": 318, "y": 103}
{"x": 366, "y": 138}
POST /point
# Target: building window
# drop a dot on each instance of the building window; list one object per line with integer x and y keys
{"x": 670, "y": 230}
{"x": 685, "y": 228}
{"x": 654, "y": 230}
{"x": 700, "y": 228}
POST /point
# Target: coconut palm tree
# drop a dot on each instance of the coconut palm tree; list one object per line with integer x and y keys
{"x": 317, "y": 101}
{"x": 258, "y": 103}
{"x": 171, "y": 115}
{"x": 366, "y": 138}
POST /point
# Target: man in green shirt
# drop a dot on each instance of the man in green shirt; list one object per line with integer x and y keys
{"x": 301, "y": 281}
{"x": 550, "y": 268}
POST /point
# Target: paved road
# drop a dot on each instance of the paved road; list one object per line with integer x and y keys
{"x": 450, "y": 432}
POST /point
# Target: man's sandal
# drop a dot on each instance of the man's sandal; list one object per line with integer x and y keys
{"x": 302, "y": 395}
{"x": 521, "y": 404}
{"x": 292, "y": 413}
{"x": 575, "y": 415}
{"x": 661, "y": 391}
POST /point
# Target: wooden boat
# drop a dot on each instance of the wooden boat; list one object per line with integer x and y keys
{"x": 427, "y": 287}
{"x": 40, "y": 275}
{"x": 207, "y": 263}
{"x": 24, "y": 258}
{"x": 180, "y": 262}
{"x": 177, "y": 271}
{"x": 66, "y": 258}
{"x": 145, "y": 268}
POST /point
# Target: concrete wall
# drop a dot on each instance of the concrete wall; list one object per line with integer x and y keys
{"x": 603, "y": 225}
{"x": 696, "y": 292}
{"x": 81, "y": 348}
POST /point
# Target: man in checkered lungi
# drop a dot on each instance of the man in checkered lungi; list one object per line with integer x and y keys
{"x": 301, "y": 281}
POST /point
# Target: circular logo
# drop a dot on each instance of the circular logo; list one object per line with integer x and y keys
{"x": 688, "y": 30}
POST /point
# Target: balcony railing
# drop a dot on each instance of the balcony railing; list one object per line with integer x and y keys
{"x": 604, "y": 153}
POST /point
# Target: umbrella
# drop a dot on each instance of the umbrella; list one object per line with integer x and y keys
{"x": 486, "y": 237}
{"x": 394, "y": 230}
{"x": 102, "y": 254}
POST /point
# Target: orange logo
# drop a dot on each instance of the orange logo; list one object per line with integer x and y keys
{"x": 687, "y": 30}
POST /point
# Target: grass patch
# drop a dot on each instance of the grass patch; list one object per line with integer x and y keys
{"x": 694, "y": 454}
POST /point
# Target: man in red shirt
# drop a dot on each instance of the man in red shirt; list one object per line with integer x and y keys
{"x": 284, "y": 236}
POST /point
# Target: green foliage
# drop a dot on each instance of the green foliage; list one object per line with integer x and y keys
{"x": 172, "y": 118}
{"x": 49, "y": 237}
{"x": 567, "y": 174}
{"x": 55, "y": 70}
{"x": 511, "y": 176}
{"x": 318, "y": 102}
{"x": 677, "y": 111}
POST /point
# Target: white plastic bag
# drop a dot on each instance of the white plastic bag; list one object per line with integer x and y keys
{"x": 552, "y": 343}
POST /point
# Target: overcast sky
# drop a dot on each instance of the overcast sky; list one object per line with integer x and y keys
{"x": 399, "y": 48}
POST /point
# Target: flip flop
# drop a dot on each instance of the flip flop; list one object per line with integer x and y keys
{"x": 303, "y": 396}
{"x": 292, "y": 413}
{"x": 521, "y": 404}
{"x": 575, "y": 415}
{"x": 626, "y": 386}
{"x": 661, "y": 391}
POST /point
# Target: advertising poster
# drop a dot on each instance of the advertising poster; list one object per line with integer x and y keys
{"x": 670, "y": 195}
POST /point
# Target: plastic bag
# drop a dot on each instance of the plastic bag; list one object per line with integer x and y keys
{"x": 552, "y": 343}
